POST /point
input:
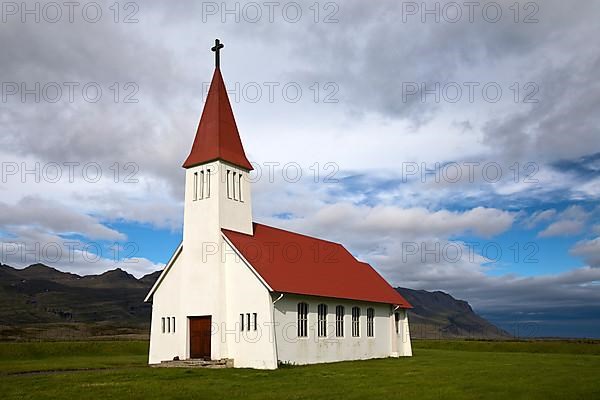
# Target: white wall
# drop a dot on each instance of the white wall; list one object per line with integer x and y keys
{"x": 165, "y": 346}
{"x": 247, "y": 294}
{"x": 404, "y": 345}
{"x": 196, "y": 285}
{"x": 313, "y": 349}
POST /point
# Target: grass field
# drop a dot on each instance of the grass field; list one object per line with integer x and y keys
{"x": 438, "y": 370}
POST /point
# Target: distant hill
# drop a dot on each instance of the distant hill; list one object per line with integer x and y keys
{"x": 437, "y": 315}
{"x": 40, "y": 302}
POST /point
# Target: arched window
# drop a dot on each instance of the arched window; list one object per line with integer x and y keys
{"x": 322, "y": 320}
{"x": 370, "y": 322}
{"x": 339, "y": 321}
{"x": 355, "y": 322}
{"x": 302, "y": 320}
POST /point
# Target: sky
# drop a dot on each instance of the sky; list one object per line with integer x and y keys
{"x": 453, "y": 146}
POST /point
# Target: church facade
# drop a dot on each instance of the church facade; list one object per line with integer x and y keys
{"x": 255, "y": 294}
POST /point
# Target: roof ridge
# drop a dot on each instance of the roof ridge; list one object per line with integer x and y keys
{"x": 292, "y": 232}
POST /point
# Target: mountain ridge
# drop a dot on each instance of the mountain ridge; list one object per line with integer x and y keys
{"x": 43, "y": 302}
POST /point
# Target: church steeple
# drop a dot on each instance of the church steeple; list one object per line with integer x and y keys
{"x": 217, "y": 137}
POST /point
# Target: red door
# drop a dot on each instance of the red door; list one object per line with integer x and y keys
{"x": 200, "y": 337}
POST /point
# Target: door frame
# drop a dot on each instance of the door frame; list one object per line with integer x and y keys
{"x": 189, "y": 333}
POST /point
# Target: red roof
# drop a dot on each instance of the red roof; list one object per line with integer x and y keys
{"x": 293, "y": 263}
{"x": 217, "y": 137}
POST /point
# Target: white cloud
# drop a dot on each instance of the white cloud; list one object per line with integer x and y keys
{"x": 589, "y": 250}
{"x": 38, "y": 213}
{"x": 570, "y": 222}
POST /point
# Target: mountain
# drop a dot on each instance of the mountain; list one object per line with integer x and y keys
{"x": 437, "y": 315}
{"x": 40, "y": 302}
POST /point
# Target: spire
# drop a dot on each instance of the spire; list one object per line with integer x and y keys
{"x": 217, "y": 137}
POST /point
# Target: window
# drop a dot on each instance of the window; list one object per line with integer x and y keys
{"x": 302, "y": 320}
{"x": 248, "y": 321}
{"x": 355, "y": 322}
{"x": 195, "y": 186}
{"x": 240, "y": 187}
{"x": 228, "y": 184}
{"x": 339, "y": 321}
{"x": 254, "y": 318}
{"x": 322, "y": 320}
{"x": 163, "y": 325}
{"x": 173, "y": 324}
{"x": 207, "y": 194}
{"x": 201, "y": 185}
{"x": 396, "y": 320}
{"x": 168, "y": 324}
{"x": 370, "y": 322}
{"x": 234, "y": 180}
{"x": 242, "y": 322}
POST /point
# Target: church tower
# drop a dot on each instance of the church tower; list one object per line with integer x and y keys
{"x": 216, "y": 183}
{"x": 217, "y": 196}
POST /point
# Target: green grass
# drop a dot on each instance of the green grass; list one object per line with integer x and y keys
{"x": 528, "y": 346}
{"x": 48, "y": 356}
{"x": 438, "y": 370}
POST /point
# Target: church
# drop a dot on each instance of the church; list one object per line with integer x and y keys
{"x": 256, "y": 295}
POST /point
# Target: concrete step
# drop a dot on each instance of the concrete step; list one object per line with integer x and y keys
{"x": 196, "y": 363}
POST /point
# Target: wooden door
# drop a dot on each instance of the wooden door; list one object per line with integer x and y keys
{"x": 200, "y": 330}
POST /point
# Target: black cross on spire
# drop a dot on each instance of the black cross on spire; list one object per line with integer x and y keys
{"x": 218, "y": 46}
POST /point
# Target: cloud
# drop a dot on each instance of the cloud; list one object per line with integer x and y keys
{"x": 539, "y": 217}
{"x": 589, "y": 250}
{"x": 28, "y": 246}
{"x": 41, "y": 214}
{"x": 571, "y": 222}
{"x": 363, "y": 227}
{"x": 562, "y": 228}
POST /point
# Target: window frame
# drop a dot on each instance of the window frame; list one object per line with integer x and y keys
{"x": 340, "y": 313}
{"x": 228, "y": 180}
{"x": 207, "y": 194}
{"x": 302, "y": 320}
{"x": 370, "y": 322}
{"x": 201, "y": 185}
{"x": 233, "y": 179}
{"x": 195, "y": 186}
{"x": 356, "y": 322}
{"x": 322, "y": 320}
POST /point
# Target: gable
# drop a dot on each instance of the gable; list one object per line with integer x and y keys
{"x": 294, "y": 263}
{"x": 164, "y": 272}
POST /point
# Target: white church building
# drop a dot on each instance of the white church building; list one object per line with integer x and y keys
{"x": 257, "y": 295}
